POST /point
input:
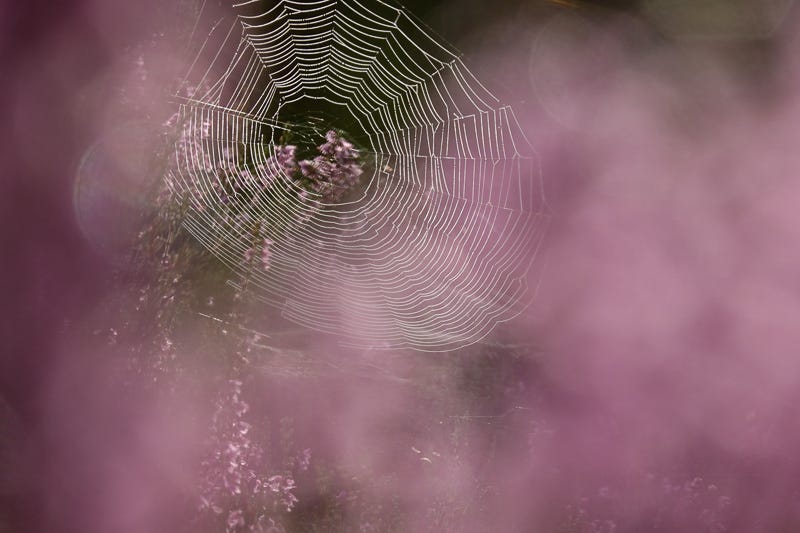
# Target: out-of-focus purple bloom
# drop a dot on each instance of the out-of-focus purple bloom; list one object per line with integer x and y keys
{"x": 305, "y": 460}
{"x": 335, "y": 171}
{"x": 274, "y": 483}
{"x": 308, "y": 169}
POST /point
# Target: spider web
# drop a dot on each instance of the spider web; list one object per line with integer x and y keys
{"x": 436, "y": 246}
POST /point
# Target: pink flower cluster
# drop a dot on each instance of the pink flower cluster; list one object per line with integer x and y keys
{"x": 237, "y": 181}
{"x": 281, "y": 487}
{"x": 235, "y": 488}
{"x": 331, "y": 175}
{"x": 286, "y": 158}
{"x": 335, "y": 171}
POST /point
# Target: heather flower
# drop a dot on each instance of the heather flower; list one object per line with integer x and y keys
{"x": 335, "y": 171}
{"x": 235, "y": 520}
{"x": 286, "y": 159}
{"x": 236, "y": 476}
{"x": 308, "y": 169}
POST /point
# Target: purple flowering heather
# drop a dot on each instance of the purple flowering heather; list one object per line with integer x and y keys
{"x": 309, "y": 169}
{"x": 336, "y": 170}
{"x": 235, "y": 485}
{"x": 331, "y": 175}
{"x": 286, "y": 158}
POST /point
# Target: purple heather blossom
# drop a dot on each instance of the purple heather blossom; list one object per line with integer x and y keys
{"x": 274, "y": 483}
{"x": 339, "y": 148}
{"x": 235, "y": 476}
{"x": 308, "y": 169}
{"x": 335, "y": 171}
{"x": 235, "y": 520}
{"x": 330, "y": 175}
{"x": 286, "y": 158}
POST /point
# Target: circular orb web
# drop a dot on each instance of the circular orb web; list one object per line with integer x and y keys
{"x": 438, "y": 243}
{"x": 111, "y": 188}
